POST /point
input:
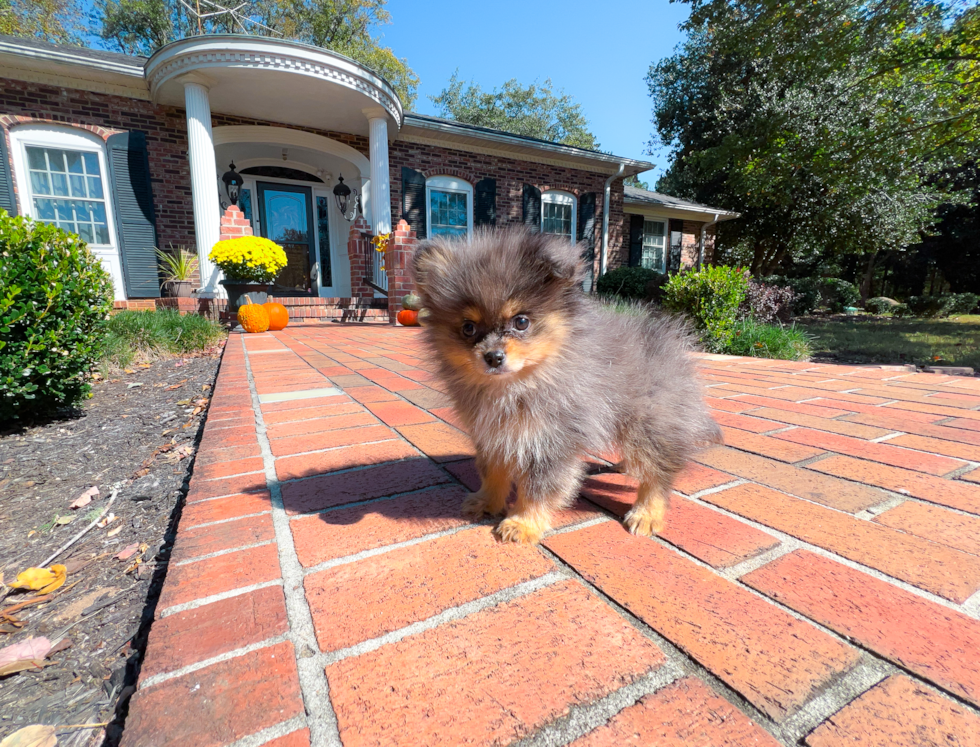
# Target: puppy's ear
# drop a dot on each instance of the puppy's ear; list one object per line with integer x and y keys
{"x": 561, "y": 260}
{"x": 430, "y": 265}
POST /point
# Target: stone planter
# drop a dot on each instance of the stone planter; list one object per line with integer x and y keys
{"x": 179, "y": 288}
{"x": 239, "y": 290}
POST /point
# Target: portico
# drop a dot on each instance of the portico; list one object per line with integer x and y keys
{"x": 289, "y": 173}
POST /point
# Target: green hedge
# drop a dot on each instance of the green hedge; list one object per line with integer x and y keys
{"x": 631, "y": 283}
{"x": 711, "y": 297}
{"x": 54, "y": 300}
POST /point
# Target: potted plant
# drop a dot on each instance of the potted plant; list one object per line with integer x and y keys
{"x": 178, "y": 266}
{"x": 250, "y": 265}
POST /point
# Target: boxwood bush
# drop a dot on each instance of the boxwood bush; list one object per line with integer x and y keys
{"x": 880, "y": 305}
{"x": 54, "y": 300}
{"x": 837, "y": 294}
{"x": 631, "y": 283}
{"x": 711, "y": 296}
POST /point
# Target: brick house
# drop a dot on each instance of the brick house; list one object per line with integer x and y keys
{"x": 129, "y": 153}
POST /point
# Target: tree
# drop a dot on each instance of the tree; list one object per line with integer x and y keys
{"x": 533, "y": 111}
{"x": 820, "y": 122}
{"x": 47, "y": 20}
{"x": 635, "y": 181}
{"x": 344, "y": 26}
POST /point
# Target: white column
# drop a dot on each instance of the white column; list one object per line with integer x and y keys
{"x": 380, "y": 186}
{"x": 204, "y": 182}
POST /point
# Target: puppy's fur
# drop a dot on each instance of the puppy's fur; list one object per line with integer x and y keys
{"x": 579, "y": 379}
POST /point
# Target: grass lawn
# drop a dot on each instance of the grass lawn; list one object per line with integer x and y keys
{"x": 868, "y": 339}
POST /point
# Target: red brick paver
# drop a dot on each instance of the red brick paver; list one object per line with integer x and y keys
{"x": 324, "y": 588}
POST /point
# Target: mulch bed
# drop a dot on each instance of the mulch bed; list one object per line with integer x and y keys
{"x": 137, "y": 435}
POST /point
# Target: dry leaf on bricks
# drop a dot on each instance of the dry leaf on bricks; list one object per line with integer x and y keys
{"x": 41, "y": 580}
{"x": 85, "y": 498}
{"x": 32, "y": 736}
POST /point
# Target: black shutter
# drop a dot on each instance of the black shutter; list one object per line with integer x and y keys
{"x": 132, "y": 196}
{"x": 636, "y": 240}
{"x": 7, "y": 199}
{"x": 485, "y": 209}
{"x": 676, "y": 231}
{"x": 532, "y": 207}
{"x": 413, "y": 200}
{"x": 586, "y": 236}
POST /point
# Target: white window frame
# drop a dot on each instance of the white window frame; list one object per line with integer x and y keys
{"x": 558, "y": 197}
{"x": 449, "y": 184}
{"x": 666, "y": 237}
{"x": 68, "y": 138}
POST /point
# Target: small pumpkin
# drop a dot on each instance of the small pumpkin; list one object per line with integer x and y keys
{"x": 278, "y": 315}
{"x": 408, "y": 318}
{"x": 252, "y": 317}
{"x": 411, "y": 302}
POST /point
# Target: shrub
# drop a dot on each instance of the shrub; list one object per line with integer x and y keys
{"x": 144, "y": 334}
{"x": 54, "y": 299}
{"x": 901, "y": 310}
{"x": 963, "y": 303}
{"x": 806, "y": 292}
{"x": 711, "y": 296}
{"x": 750, "y": 338}
{"x": 633, "y": 283}
{"x": 880, "y": 305}
{"x": 837, "y": 294}
{"x": 768, "y": 303}
{"x": 942, "y": 305}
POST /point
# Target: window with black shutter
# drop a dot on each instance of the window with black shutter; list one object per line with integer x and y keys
{"x": 132, "y": 197}
{"x": 676, "y": 229}
{"x": 413, "y": 200}
{"x": 485, "y": 209}
{"x": 586, "y": 236}
{"x": 636, "y": 240}
{"x": 7, "y": 199}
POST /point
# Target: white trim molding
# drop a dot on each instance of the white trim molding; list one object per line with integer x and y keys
{"x": 560, "y": 197}
{"x": 452, "y": 185}
{"x": 296, "y": 138}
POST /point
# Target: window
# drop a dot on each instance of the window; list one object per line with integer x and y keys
{"x": 62, "y": 178}
{"x": 558, "y": 214}
{"x": 654, "y": 255}
{"x": 449, "y": 206}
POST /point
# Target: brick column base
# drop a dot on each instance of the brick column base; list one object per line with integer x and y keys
{"x": 398, "y": 260}
{"x": 360, "y": 251}
{"x": 234, "y": 224}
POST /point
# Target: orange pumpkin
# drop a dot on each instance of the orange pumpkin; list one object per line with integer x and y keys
{"x": 252, "y": 317}
{"x": 408, "y": 318}
{"x": 278, "y": 315}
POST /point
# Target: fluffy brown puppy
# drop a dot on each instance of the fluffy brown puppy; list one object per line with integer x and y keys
{"x": 542, "y": 375}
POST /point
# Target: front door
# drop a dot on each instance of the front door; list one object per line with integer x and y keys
{"x": 286, "y": 217}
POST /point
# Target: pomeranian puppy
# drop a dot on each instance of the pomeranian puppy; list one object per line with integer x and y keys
{"x": 542, "y": 375}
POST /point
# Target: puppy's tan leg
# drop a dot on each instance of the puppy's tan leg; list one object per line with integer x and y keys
{"x": 491, "y": 498}
{"x": 649, "y": 513}
{"x": 538, "y": 496}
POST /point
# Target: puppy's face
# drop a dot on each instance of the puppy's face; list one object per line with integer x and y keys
{"x": 499, "y": 304}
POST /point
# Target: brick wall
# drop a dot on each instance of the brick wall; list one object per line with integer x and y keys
{"x": 104, "y": 114}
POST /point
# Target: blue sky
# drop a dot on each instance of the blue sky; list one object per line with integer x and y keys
{"x": 597, "y": 52}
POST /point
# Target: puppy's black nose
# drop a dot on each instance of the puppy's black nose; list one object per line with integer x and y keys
{"x": 494, "y": 358}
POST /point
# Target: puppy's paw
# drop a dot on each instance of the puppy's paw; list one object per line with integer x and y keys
{"x": 519, "y": 530}
{"x": 645, "y": 522}
{"x": 475, "y": 505}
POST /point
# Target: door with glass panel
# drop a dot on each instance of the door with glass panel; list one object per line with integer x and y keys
{"x": 286, "y": 217}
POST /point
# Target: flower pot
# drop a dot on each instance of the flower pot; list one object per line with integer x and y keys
{"x": 239, "y": 290}
{"x": 180, "y": 288}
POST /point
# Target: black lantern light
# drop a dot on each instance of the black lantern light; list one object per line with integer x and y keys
{"x": 233, "y": 183}
{"x": 343, "y": 195}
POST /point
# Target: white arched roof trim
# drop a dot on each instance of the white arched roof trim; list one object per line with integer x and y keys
{"x": 296, "y": 138}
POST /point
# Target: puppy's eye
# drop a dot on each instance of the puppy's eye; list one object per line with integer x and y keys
{"x": 521, "y": 322}
{"x": 469, "y": 329}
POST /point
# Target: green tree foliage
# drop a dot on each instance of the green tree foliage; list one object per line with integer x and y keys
{"x": 820, "y": 122}
{"x": 635, "y": 181}
{"x": 47, "y": 20}
{"x": 344, "y": 26}
{"x": 533, "y": 111}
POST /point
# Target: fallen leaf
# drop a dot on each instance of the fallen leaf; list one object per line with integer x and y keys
{"x": 106, "y": 520}
{"x": 114, "y": 532}
{"x": 85, "y": 498}
{"x": 144, "y": 365}
{"x": 32, "y": 736}
{"x": 64, "y": 520}
{"x": 60, "y": 646}
{"x": 134, "y": 384}
{"x": 32, "y": 648}
{"x": 128, "y": 370}
{"x": 205, "y": 387}
{"x": 41, "y": 580}
{"x": 127, "y": 552}
{"x": 183, "y": 402}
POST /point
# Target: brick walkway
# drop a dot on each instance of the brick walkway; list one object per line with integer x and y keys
{"x": 817, "y": 582}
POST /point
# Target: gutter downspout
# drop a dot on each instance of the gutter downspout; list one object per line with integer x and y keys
{"x": 605, "y": 218}
{"x": 704, "y": 228}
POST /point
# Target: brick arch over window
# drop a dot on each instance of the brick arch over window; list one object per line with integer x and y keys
{"x": 458, "y": 173}
{"x": 561, "y": 187}
{"x": 13, "y": 120}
